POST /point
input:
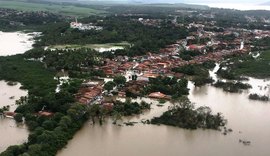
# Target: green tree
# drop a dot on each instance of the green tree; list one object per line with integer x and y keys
{"x": 18, "y": 117}
{"x": 109, "y": 86}
{"x": 119, "y": 80}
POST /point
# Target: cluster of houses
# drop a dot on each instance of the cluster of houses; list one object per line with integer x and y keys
{"x": 153, "y": 65}
{"x": 81, "y": 26}
{"x": 90, "y": 92}
{"x": 150, "y": 22}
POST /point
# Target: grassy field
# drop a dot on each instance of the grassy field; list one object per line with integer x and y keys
{"x": 56, "y": 8}
{"x": 91, "y": 46}
{"x": 255, "y": 68}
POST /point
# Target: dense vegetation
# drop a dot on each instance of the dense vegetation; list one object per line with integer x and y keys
{"x": 12, "y": 19}
{"x": 117, "y": 110}
{"x": 258, "y": 97}
{"x": 31, "y": 74}
{"x": 231, "y": 86}
{"x": 70, "y": 59}
{"x": 246, "y": 65}
{"x": 128, "y": 108}
{"x": 116, "y": 29}
{"x": 184, "y": 115}
{"x": 200, "y": 74}
{"x": 49, "y": 134}
{"x": 169, "y": 86}
{"x": 254, "y": 67}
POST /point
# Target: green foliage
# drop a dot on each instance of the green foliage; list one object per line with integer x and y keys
{"x": 31, "y": 74}
{"x": 169, "y": 86}
{"x": 72, "y": 86}
{"x": 226, "y": 74}
{"x": 119, "y": 80}
{"x": 258, "y": 97}
{"x": 66, "y": 59}
{"x": 256, "y": 68}
{"x": 17, "y": 20}
{"x": 109, "y": 86}
{"x": 231, "y": 86}
{"x": 184, "y": 115}
{"x": 18, "y": 117}
{"x": 188, "y": 69}
{"x": 50, "y": 134}
{"x": 188, "y": 55}
{"x": 128, "y": 108}
{"x": 116, "y": 29}
{"x": 200, "y": 73}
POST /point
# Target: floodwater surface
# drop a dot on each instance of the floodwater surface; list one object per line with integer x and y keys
{"x": 10, "y": 132}
{"x": 248, "y": 119}
{"x": 12, "y": 43}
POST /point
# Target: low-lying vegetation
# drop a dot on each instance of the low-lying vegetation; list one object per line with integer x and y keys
{"x": 231, "y": 86}
{"x": 184, "y": 115}
{"x": 258, "y": 97}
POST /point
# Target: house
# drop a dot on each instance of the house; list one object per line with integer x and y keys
{"x": 9, "y": 114}
{"x": 122, "y": 94}
{"x": 158, "y": 95}
{"x": 45, "y": 113}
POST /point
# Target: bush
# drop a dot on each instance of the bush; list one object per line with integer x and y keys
{"x": 18, "y": 117}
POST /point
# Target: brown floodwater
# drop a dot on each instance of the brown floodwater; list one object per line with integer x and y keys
{"x": 10, "y": 132}
{"x": 248, "y": 119}
{"x": 12, "y": 43}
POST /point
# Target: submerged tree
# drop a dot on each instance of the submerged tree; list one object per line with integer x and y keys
{"x": 183, "y": 114}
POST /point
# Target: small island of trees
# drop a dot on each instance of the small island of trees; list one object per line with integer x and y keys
{"x": 184, "y": 115}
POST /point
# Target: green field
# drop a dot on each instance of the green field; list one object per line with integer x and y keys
{"x": 56, "y": 8}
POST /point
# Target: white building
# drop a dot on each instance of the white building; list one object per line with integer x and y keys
{"x": 80, "y": 26}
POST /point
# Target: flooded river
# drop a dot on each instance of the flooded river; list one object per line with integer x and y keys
{"x": 10, "y": 132}
{"x": 248, "y": 119}
{"x": 12, "y": 43}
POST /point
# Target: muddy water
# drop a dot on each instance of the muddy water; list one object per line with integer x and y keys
{"x": 12, "y": 43}
{"x": 10, "y": 132}
{"x": 248, "y": 119}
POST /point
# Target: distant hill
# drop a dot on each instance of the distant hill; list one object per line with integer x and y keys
{"x": 178, "y": 5}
